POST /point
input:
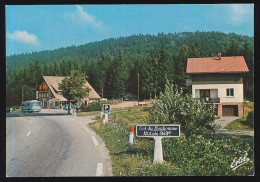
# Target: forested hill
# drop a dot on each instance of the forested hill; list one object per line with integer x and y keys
{"x": 112, "y": 65}
{"x": 207, "y": 43}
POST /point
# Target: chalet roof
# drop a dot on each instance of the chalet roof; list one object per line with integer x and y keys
{"x": 232, "y": 64}
{"x": 53, "y": 84}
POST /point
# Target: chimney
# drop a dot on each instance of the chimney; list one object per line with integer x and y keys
{"x": 219, "y": 55}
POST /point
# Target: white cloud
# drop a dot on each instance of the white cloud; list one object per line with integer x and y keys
{"x": 239, "y": 13}
{"x": 83, "y": 17}
{"x": 23, "y": 37}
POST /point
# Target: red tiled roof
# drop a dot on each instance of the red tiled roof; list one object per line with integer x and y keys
{"x": 214, "y": 65}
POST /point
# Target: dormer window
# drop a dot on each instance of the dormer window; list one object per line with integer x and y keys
{"x": 230, "y": 92}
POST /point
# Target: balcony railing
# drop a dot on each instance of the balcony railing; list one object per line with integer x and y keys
{"x": 209, "y": 99}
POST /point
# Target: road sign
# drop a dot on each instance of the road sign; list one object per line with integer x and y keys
{"x": 106, "y": 108}
{"x": 158, "y": 130}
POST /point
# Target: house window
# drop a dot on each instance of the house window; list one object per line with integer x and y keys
{"x": 230, "y": 92}
{"x": 204, "y": 93}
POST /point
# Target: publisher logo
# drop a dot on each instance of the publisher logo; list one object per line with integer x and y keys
{"x": 239, "y": 162}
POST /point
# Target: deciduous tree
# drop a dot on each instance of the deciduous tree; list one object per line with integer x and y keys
{"x": 73, "y": 87}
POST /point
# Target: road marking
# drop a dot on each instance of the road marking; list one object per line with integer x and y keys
{"x": 94, "y": 140}
{"x": 87, "y": 129}
{"x": 28, "y": 133}
{"x": 99, "y": 171}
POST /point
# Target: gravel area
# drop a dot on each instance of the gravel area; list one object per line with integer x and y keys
{"x": 127, "y": 104}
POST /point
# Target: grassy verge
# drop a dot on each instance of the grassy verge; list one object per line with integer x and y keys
{"x": 245, "y": 123}
{"x": 211, "y": 155}
{"x": 240, "y": 124}
{"x": 88, "y": 113}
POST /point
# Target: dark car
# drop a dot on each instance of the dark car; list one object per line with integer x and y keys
{"x": 125, "y": 98}
{"x": 66, "y": 107}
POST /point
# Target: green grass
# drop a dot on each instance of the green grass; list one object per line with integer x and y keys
{"x": 240, "y": 124}
{"x": 245, "y": 123}
{"x": 211, "y": 155}
{"x": 88, "y": 113}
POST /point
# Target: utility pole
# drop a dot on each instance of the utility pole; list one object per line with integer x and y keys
{"x": 102, "y": 90}
{"x": 138, "y": 86}
{"x": 22, "y": 94}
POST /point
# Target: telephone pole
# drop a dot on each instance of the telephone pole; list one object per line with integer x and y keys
{"x": 138, "y": 86}
{"x": 22, "y": 94}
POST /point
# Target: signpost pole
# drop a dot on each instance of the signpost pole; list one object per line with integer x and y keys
{"x": 158, "y": 153}
{"x": 158, "y": 131}
{"x": 131, "y": 135}
{"x": 106, "y": 117}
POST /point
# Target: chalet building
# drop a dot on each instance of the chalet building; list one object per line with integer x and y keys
{"x": 50, "y": 95}
{"x": 219, "y": 80}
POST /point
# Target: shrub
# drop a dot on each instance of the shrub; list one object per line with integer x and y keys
{"x": 175, "y": 107}
{"x": 209, "y": 155}
{"x": 15, "y": 108}
{"x": 250, "y": 119}
{"x": 94, "y": 106}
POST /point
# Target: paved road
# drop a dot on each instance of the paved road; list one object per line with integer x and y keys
{"x": 53, "y": 144}
{"x": 223, "y": 121}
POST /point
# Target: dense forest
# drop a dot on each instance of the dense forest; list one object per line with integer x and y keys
{"x": 112, "y": 65}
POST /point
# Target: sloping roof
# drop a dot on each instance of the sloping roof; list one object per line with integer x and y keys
{"x": 92, "y": 93}
{"x": 53, "y": 84}
{"x": 54, "y": 81}
{"x": 232, "y": 64}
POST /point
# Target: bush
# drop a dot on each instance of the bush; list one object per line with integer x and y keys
{"x": 250, "y": 119}
{"x": 94, "y": 106}
{"x": 15, "y": 108}
{"x": 174, "y": 107}
{"x": 209, "y": 155}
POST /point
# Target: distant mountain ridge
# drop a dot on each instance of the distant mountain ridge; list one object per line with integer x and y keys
{"x": 207, "y": 43}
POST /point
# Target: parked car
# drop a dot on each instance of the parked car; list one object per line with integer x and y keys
{"x": 66, "y": 107}
{"x": 125, "y": 98}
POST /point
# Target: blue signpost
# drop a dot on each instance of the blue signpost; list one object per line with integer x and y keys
{"x": 158, "y": 132}
{"x": 106, "y": 108}
{"x": 106, "y": 111}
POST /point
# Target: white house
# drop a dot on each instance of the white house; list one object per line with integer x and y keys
{"x": 219, "y": 80}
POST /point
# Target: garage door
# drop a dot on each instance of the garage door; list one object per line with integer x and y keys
{"x": 230, "y": 110}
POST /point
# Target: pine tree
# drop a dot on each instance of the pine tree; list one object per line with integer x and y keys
{"x": 117, "y": 77}
{"x": 180, "y": 65}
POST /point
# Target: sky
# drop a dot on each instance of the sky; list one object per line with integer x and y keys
{"x": 32, "y": 28}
